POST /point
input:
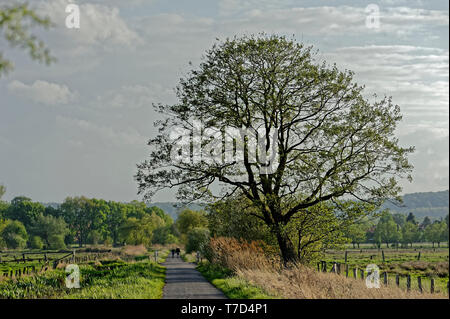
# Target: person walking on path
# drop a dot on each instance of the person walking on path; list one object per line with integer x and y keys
{"x": 178, "y": 252}
{"x": 173, "y": 253}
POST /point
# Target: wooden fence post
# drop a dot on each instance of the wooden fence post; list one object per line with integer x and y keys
{"x": 339, "y": 268}
{"x": 382, "y": 254}
{"x": 333, "y": 268}
{"x": 324, "y": 266}
{"x": 346, "y": 270}
{"x": 397, "y": 280}
{"x": 408, "y": 282}
{"x": 385, "y": 278}
{"x": 355, "y": 273}
{"x": 432, "y": 285}
{"x": 419, "y": 283}
{"x": 418, "y": 256}
{"x": 362, "y": 274}
{"x": 346, "y": 256}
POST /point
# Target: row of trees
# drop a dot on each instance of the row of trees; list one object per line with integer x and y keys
{"x": 318, "y": 229}
{"x": 82, "y": 220}
{"x": 313, "y": 230}
{"x": 398, "y": 229}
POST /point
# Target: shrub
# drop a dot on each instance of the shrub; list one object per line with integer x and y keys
{"x": 36, "y": 242}
{"x": 197, "y": 238}
{"x": 56, "y": 242}
{"x": 14, "y": 235}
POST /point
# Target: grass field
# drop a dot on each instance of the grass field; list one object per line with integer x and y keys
{"x": 433, "y": 263}
{"x": 139, "y": 276}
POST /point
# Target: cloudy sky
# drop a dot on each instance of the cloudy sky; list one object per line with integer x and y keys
{"x": 79, "y": 126}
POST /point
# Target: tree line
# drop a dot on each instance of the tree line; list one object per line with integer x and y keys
{"x": 319, "y": 229}
{"x": 398, "y": 230}
{"x": 80, "y": 220}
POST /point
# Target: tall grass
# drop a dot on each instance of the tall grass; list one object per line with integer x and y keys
{"x": 248, "y": 261}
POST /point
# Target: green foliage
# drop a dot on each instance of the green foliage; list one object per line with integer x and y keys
{"x": 197, "y": 238}
{"x": 3, "y": 224}
{"x": 411, "y": 219}
{"x": 163, "y": 235}
{"x": 15, "y": 24}
{"x": 24, "y": 210}
{"x": 325, "y": 226}
{"x": 189, "y": 219}
{"x": 140, "y": 231}
{"x": 426, "y": 222}
{"x": 2, "y": 191}
{"x": 14, "y": 235}
{"x": 108, "y": 280}
{"x": 237, "y": 217}
{"x": 387, "y": 231}
{"x": 357, "y": 233}
{"x": 332, "y": 141}
{"x": 410, "y": 232}
{"x": 400, "y": 219}
{"x": 56, "y": 242}
{"x": 84, "y": 215}
{"x": 437, "y": 232}
{"x": 36, "y": 242}
{"x": 4, "y": 206}
{"x": 47, "y": 226}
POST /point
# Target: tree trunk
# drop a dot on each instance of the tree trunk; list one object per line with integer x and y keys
{"x": 80, "y": 240}
{"x": 286, "y": 247}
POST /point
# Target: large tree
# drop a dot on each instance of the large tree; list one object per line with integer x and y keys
{"x": 49, "y": 229}
{"x": 24, "y": 210}
{"x": 319, "y": 139}
{"x": 84, "y": 215}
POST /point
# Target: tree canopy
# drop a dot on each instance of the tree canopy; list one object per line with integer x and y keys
{"x": 318, "y": 138}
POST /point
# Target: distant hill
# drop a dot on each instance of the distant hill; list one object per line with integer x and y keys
{"x": 173, "y": 208}
{"x": 432, "y": 204}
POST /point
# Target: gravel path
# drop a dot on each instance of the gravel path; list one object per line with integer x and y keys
{"x": 183, "y": 281}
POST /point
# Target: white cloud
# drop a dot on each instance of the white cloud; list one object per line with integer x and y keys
{"x": 416, "y": 77}
{"x": 107, "y": 134}
{"x": 99, "y": 25}
{"x": 134, "y": 96}
{"x": 42, "y": 92}
{"x": 329, "y": 20}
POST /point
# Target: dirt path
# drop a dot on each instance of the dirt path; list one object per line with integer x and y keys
{"x": 183, "y": 281}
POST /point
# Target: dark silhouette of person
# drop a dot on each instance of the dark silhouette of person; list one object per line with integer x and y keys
{"x": 178, "y": 252}
{"x": 173, "y": 253}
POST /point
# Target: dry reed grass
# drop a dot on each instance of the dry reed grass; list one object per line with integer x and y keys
{"x": 134, "y": 250}
{"x": 249, "y": 262}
